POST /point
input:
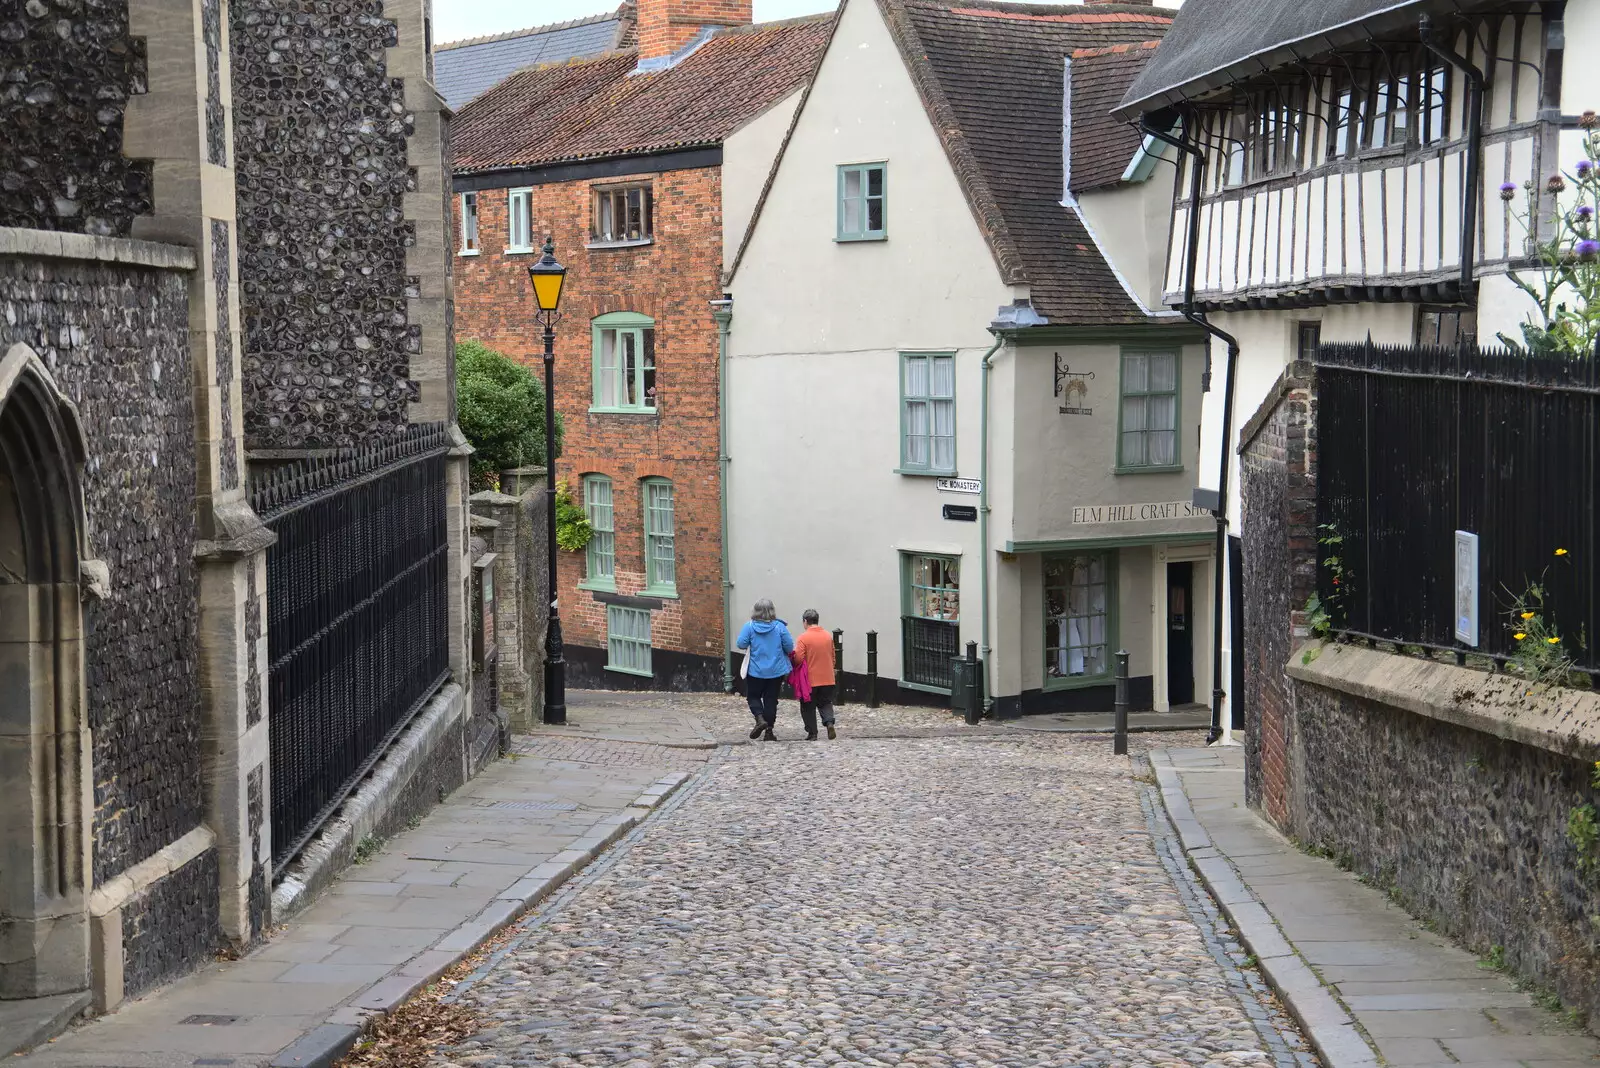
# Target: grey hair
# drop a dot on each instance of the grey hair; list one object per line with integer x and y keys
{"x": 811, "y": 616}
{"x": 763, "y": 611}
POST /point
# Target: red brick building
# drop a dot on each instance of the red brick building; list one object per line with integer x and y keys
{"x": 644, "y": 166}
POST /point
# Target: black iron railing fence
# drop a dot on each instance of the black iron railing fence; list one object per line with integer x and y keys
{"x": 929, "y": 645}
{"x": 357, "y": 631}
{"x": 1414, "y": 444}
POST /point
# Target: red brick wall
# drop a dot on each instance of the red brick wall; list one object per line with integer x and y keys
{"x": 672, "y": 281}
{"x": 667, "y": 25}
{"x": 1278, "y": 486}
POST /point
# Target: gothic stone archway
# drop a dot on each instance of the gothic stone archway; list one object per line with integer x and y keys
{"x": 44, "y": 736}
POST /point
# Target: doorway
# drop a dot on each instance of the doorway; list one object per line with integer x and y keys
{"x": 1180, "y": 633}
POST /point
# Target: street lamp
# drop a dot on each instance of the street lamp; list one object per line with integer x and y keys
{"x": 547, "y": 276}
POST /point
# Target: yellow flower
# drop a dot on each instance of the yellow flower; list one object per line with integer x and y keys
{"x": 1561, "y": 552}
{"x": 1519, "y": 636}
{"x": 1527, "y": 615}
{"x": 1553, "y": 641}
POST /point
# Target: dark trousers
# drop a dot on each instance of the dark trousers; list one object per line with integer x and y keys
{"x": 762, "y": 694}
{"x": 821, "y": 698}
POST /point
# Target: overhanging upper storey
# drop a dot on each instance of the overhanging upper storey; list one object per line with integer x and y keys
{"x": 1341, "y": 158}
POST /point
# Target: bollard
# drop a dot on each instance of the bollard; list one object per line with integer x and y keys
{"x": 1119, "y": 744}
{"x": 872, "y": 669}
{"x": 974, "y": 686}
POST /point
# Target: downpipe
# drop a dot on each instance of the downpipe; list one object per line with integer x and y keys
{"x": 983, "y": 525}
{"x": 1219, "y": 567}
{"x": 722, "y": 312}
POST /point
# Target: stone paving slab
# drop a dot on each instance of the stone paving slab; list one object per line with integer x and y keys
{"x": 1364, "y": 979}
{"x": 394, "y": 923}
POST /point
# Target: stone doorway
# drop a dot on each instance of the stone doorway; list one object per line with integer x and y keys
{"x": 44, "y": 737}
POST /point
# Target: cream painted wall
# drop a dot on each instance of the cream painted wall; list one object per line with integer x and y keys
{"x": 1132, "y": 225}
{"x": 818, "y": 515}
{"x": 1064, "y": 462}
{"x": 933, "y": 283}
{"x": 747, "y": 157}
{"x": 1580, "y": 76}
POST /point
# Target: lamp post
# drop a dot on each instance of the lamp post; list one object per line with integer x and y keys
{"x": 546, "y": 276}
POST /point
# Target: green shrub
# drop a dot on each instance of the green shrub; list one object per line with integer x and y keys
{"x": 500, "y": 408}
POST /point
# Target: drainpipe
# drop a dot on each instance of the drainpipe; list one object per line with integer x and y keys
{"x": 1469, "y": 212}
{"x": 722, "y": 312}
{"x": 1192, "y": 254}
{"x": 983, "y": 523}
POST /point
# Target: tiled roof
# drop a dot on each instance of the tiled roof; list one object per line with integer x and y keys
{"x": 991, "y": 78}
{"x": 598, "y": 108}
{"x": 463, "y": 70}
{"x": 1101, "y": 146}
{"x": 1214, "y": 42}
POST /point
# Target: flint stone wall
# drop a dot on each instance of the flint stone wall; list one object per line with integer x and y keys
{"x": 320, "y": 133}
{"x": 67, "y": 68}
{"x": 171, "y": 927}
{"x": 116, "y": 339}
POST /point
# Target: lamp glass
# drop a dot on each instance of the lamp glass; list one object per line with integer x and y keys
{"x": 547, "y": 288}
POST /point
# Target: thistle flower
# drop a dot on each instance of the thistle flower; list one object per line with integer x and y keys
{"x": 1508, "y": 190}
{"x": 1555, "y": 183}
{"x": 1587, "y": 249}
{"x": 1584, "y": 167}
{"x": 1589, "y": 120}
{"x": 1585, "y": 212}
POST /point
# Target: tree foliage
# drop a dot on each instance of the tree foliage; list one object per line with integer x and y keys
{"x": 500, "y": 408}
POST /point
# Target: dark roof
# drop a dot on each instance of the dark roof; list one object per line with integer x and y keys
{"x": 598, "y": 108}
{"x": 464, "y": 70}
{"x": 1102, "y": 147}
{"x": 991, "y": 78}
{"x": 1215, "y": 42}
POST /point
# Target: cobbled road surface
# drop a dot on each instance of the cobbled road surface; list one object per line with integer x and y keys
{"x": 935, "y": 901}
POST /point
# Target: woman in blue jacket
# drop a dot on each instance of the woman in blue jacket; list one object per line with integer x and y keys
{"x": 769, "y": 643}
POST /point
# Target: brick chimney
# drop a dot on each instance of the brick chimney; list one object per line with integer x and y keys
{"x": 667, "y": 25}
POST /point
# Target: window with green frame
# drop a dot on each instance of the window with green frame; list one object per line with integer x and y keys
{"x": 600, "y": 561}
{"x": 863, "y": 202}
{"x": 628, "y": 640}
{"x": 624, "y": 363}
{"x": 930, "y": 624}
{"x": 1148, "y": 430}
{"x": 660, "y": 559}
{"x": 1078, "y": 619}
{"x": 928, "y": 412}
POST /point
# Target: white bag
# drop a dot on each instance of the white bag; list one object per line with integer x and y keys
{"x": 744, "y": 667}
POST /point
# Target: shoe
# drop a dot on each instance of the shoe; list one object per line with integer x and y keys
{"x": 832, "y": 734}
{"x": 755, "y": 732}
{"x": 811, "y": 737}
{"x": 768, "y": 736}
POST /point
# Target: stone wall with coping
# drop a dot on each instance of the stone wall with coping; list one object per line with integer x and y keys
{"x": 115, "y": 336}
{"x": 71, "y": 67}
{"x": 1449, "y": 787}
{"x": 521, "y": 582}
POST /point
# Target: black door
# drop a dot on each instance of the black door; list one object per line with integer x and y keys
{"x": 1180, "y": 634}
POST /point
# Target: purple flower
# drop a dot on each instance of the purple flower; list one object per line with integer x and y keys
{"x": 1584, "y": 212}
{"x": 1587, "y": 249}
{"x": 1508, "y": 190}
{"x": 1584, "y": 167}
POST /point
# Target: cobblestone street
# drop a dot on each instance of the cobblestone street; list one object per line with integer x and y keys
{"x": 949, "y": 901}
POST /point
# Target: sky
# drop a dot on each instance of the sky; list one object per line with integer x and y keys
{"x": 455, "y": 19}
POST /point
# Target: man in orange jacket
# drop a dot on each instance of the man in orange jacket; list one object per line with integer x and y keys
{"x": 815, "y": 647}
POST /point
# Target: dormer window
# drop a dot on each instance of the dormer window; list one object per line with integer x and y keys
{"x": 623, "y": 215}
